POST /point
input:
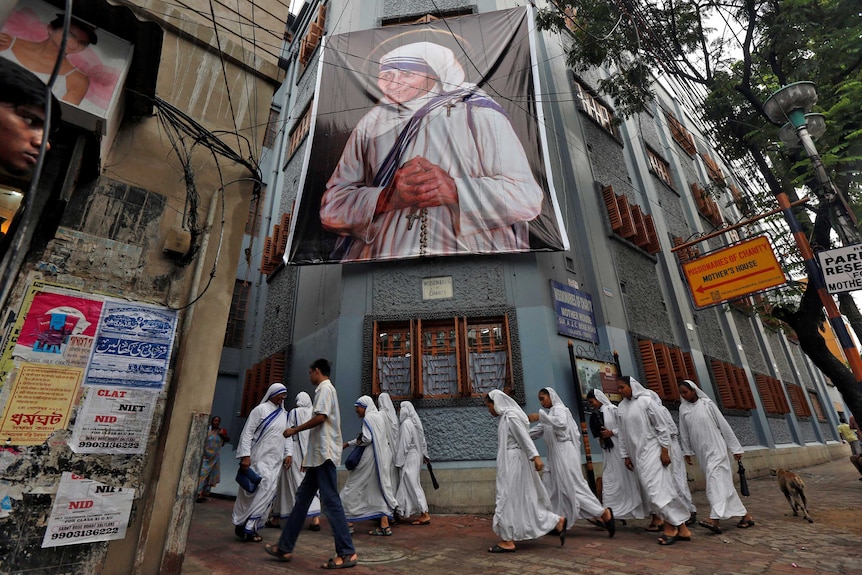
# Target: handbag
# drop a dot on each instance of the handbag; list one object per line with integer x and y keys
{"x": 354, "y": 457}
{"x": 743, "y": 482}
{"x": 248, "y": 479}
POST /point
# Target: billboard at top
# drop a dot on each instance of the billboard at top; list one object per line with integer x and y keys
{"x": 92, "y": 71}
{"x": 426, "y": 140}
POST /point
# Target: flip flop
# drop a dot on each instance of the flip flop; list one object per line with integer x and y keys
{"x": 381, "y": 532}
{"x": 711, "y": 526}
{"x": 417, "y": 522}
{"x": 273, "y": 550}
{"x": 345, "y": 563}
{"x": 743, "y": 524}
{"x": 610, "y": 524}
{"x": 253, "y": 537}
{"x": 667, "y": 539}
{"x": 314, "y": 527}
{"x": 654, "y": 527}
{"x": 498, "y": 549}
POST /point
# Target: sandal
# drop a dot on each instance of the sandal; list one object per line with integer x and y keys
{"x": 275, "y": 552}
{"x": 381, "y": 532}
{"x": 272, "y": 524}
{"x": 711, "y": 526}
{"x": 654, "y": 527}
{"x": 345, "y": 563}
{"x": 665, "y": 539}
{"x": 745, "y": 524}
{"x": 253, "y": 537}
{"x": 498, "y": 549}
{"x": 610, "y": 524}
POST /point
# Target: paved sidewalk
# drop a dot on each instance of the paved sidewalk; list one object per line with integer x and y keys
{"x": 778, "y": 544}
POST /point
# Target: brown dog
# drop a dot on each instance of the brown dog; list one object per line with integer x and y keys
{"x": 793, "y": 489}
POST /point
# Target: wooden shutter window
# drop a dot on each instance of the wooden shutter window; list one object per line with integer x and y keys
{"x": 612, "y": 206}
{"x": 651, "y": 371}
{"x": 640, "y": 238}
{"x": 628, "y": 229}
{"x": 653, "y": 246}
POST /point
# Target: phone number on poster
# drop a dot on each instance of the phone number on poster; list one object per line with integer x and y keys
{"x": 85, "y": 533}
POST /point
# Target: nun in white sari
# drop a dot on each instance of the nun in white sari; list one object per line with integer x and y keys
{"x": 645, "y": 446}
{"x": 569, "y": 492}
{"x": 523, "y": 508}
{"x": 261, "y": 447}
{"x": 412, "y": 451}
{"x": 368, "y": 493}
{"x": 430, "y": 123}
{"x": 296, "y": 446}
{"x": 706, "y": 434}
{"x": 387, "y": 408}
{"x": 620, "y": 489}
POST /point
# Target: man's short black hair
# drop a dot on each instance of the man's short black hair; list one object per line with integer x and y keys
{"x": 322, "y": 365}
{"x": 19, "y": 86}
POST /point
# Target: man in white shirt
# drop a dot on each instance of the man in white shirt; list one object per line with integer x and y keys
{"x": 323, "y": 455}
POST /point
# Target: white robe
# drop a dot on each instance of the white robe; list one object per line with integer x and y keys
{"x": 290, "y": 478}
{"x": 680, "y": 476}
{"x": 262, "y": 440}
{"x": 643, "y": 433}
{"x": 368, "y": 492}
{"x": 569, "y": 492}
{"x": 620, "y": 489}
{"x": 408, "y": 458}
{"x": 523, "y": 508}
{"x": 387, "y": 408}
{"x": 475, "y": 145}
{"x": 706, "y": 434}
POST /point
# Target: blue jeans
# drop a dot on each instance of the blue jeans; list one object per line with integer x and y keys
{"x": 325, "y": 480}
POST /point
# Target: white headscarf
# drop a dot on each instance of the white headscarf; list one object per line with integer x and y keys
{"x": 603, "y": 399}
{"x": 572, "y": 430}
{"x": 387, "y": 408}
{"x": 505, "y": 406}
{"x": 366, "y": 402}
{"x": 685, "y": 406}
{"x": 303, "y": 399}
{"x": 638, "y": 390}
{"x": 273, "y": 390}
{"x": 409, "y": 412}
{"x": 429, "y": 58}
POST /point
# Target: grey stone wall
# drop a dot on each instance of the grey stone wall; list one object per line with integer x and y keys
{"x": 398, "y": 287}
{"x": 649, "y": 132}
{"x": 607, "y": 158}
{"x": 780, "y": 430}
{"x": 401, "y": 8}
{"x": 645, "y": 308}
{"x": 278, "y": 313}
{"x": 829, "y": 432}
{"x": 750, "y": 343}
{"x": 787, "y": 372}
{"x": 671, "y": 207}
{"x": 460, "y": 433}
{"x": 744, "y": 429}
{"x": 800, "y": 360}
{"x": 806, "y": 427}
{"x": 710, "y": 334}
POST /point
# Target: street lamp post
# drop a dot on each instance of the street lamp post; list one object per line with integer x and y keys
{"x": 793, "y": 103}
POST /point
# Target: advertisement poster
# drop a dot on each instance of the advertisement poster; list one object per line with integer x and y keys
{"x": 58, "y": 329}
{"x": 114, "y": 420}
{"x": 133, "y": 346}
{"x": 86, "y": 511}
{"x": 601, "y": 375}
{"x": 39, "y": 403}
{"x": 93, "y": 69}
{"x": 427, "y": 140}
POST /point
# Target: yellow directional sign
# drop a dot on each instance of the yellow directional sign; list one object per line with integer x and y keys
{"x": 733, "y": 272}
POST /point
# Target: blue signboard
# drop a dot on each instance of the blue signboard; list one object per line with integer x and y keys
{"x": 574, "y": 311}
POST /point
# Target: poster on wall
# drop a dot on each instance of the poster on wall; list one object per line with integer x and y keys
{"x": 427, "y": 140}
{"x": 86, "y": 511}
{"x": 96, "y": 62}
{"x": 133, "y": 346}
{"x": 601, "y": 375}
{"x": 114, "y": 420}
{"x": 58, "y": 329}
{"x": 40, "y": 401}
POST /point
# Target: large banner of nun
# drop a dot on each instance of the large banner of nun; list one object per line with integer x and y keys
{"x": 426, "y": 140}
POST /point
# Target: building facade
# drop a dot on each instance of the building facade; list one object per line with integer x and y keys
{"x": 441, "y": 331}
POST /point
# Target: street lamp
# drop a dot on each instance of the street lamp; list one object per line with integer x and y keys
{"x": 793, "y": 103}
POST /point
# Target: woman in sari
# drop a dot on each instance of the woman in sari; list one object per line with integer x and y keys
{"x": 523, "y": 508}
{"x": 210, "y": 473}
{"x": 570, "y": 495}
{"x": 368, "y": 492}
{"x": 706, "y": 434}
{"x": 412, "y": 451}
{"x": 387, "y": 408}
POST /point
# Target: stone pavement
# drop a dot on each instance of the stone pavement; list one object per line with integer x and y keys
{"x": 778, "y": 544}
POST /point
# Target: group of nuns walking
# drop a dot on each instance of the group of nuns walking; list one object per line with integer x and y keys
{"x": 644, "y": 471}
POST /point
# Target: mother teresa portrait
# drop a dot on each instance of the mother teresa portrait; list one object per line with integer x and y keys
{"x": 434, "y": 168}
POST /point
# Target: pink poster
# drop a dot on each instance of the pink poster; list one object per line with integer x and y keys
{"x": 58, "y": 329}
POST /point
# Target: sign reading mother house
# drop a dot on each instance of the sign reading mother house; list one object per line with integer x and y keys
{"x": 133, "y": 346}
{"x": 427, "y": 140}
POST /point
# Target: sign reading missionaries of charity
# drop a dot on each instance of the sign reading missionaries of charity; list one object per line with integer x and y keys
{"x": 426, "y": 140}
{"x": 574, "y": 311}
{"x": 733, "y": 272}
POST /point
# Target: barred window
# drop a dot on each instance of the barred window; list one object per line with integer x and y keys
{"x": 457, "y": 357}
{"x": 659, "y": 167}
{"x": 236, "y": 317}
{"x": 595, "y": 109}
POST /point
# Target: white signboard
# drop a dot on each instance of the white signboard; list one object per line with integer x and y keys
{"x": 437, "y": 288}
{"x": 114, "y": 420}
{"x": 86, "y": 511}
{"x": 842, "y": 268}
